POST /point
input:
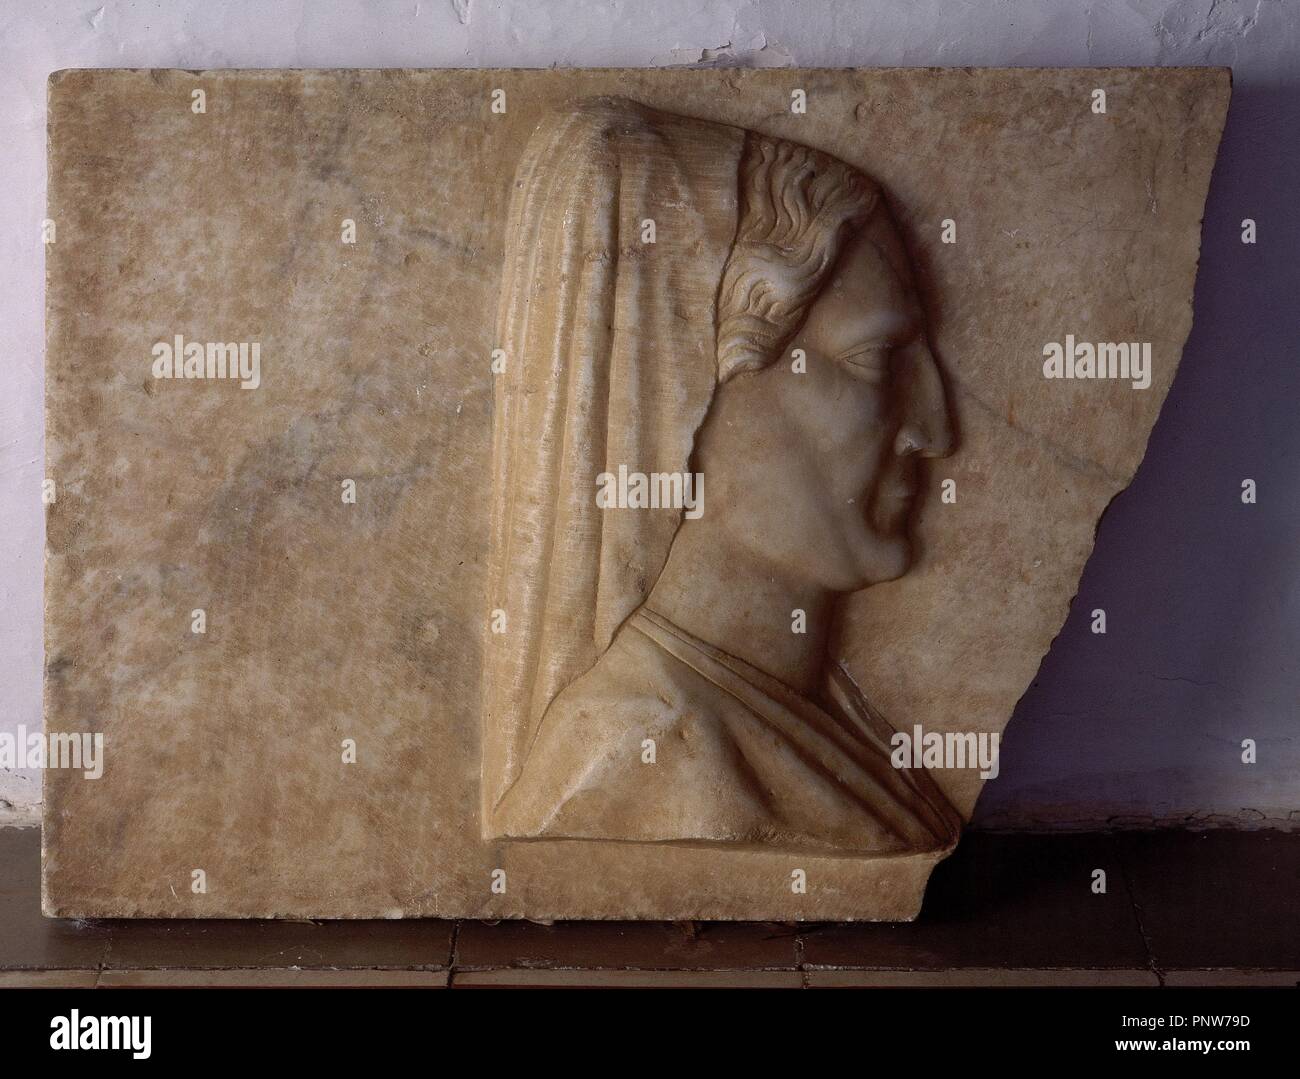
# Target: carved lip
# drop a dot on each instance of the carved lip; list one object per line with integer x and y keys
{"x": 900, "y": 479}
{"x": 897, "y": 494}
{"x": 899, "y": 483}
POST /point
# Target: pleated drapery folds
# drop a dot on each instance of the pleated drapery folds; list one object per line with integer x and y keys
{"x": 610, "y": 359}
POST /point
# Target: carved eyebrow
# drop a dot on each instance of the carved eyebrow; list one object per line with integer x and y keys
{"x": 872, "y": 345}
{"x": 876, "y": 368}
{"x": 897, "y": 337}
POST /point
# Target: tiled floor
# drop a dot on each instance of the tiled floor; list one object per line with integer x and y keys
{"x": 1178, "y": 908}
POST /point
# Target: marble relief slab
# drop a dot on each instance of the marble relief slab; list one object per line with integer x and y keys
{"x": 580, "y": 494}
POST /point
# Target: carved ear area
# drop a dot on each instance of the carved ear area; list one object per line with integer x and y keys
{"x": 798, "y": 207}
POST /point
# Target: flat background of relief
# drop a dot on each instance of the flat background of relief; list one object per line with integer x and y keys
{"x": 329, "y": 621}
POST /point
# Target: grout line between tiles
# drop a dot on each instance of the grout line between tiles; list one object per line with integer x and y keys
{"x": 453, "y": 960}
{"x": 104, "y": 958}
{"x": 1130, "y": 888}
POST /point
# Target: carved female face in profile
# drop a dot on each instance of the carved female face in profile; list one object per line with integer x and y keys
{"x": 689, "y": 299}
{"x": 812, "y": 461}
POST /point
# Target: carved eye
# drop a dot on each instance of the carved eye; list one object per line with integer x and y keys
{"x": 869, "y": 362}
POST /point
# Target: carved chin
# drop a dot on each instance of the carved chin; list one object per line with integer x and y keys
{"x": 890, "y": 540}
{"x": 889, "y": 557}
{"x": 898, "y": 560}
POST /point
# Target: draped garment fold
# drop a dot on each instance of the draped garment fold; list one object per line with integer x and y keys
{"x": 738, "y": 757}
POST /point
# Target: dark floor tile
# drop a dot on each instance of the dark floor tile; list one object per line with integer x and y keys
{"x": 977, "y": 977}
{"x": 146, "y": 945}
{"x": 29, "y": 940}
{"x": 273, "y": 978}
{"x": 530, "y": 977}
{"x": 49, "y": 979}
{"x": 1223, "y": 976}
{"x": 1217, "y": 899}
{"x": 1003, "y": 901}
{"x": 626, "y": 946}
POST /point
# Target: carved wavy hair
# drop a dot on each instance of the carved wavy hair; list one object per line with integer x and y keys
{"x": 798, "y": 208}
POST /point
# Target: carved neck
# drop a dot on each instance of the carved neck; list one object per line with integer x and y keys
{"x": 743, "y": 606}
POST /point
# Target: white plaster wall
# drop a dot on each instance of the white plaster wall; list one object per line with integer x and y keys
{"x": 1207, "y": 645}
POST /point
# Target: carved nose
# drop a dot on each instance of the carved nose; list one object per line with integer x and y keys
{"x": 926, "y": 428}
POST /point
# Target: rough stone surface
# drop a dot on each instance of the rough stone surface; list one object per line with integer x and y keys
{"x": 329, "y": 621}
